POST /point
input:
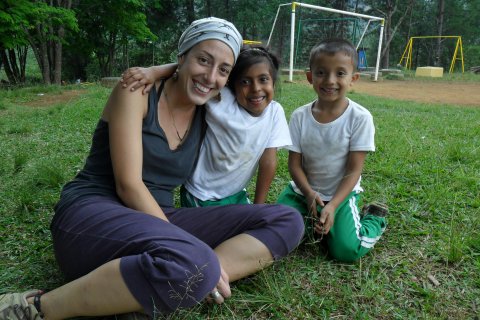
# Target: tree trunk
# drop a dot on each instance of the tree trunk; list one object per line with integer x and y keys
{"x": 390, "y": 9}
{"x": 227, "y": 10}
{"x": 391, "y": 31}
{"x": 12, "y": 57}
{"x": 14, "y": 63}
{"x": 57, "y": 72}
{"x": 190, "y": 11}
{"x": 209, "y": 7}
{"x": 40, "y": 48}
{"x": 111, "y": 57}
{"x": 356, "y": 6}
{"x": 126, "y": 62}
{"x": 22, "y": 59}
{"x": 49, "y": 52}
{"x": 45, "y": 63}
{"x": 58, "y": 46}
{"x": 106, "y": 57}
{"x": 7, "y": 67}
{"x": 102, "y": 63}
{"x": 440, "y": 16}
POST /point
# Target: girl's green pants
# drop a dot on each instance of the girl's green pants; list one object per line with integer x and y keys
{"x": 188, "y": 200}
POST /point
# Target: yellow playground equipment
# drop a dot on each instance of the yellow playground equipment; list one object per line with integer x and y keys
{"x": 407, "y": 53}
{"x": 251, "y": 42}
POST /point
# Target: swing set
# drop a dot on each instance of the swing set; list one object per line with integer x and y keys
{"x": 407, "y": 53}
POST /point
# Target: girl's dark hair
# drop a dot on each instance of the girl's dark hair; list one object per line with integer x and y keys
{"x": 250, "y": 55}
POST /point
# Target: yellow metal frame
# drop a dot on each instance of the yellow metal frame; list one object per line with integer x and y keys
{"x": 251, "y": 42}
{"x": 407, "y": 53}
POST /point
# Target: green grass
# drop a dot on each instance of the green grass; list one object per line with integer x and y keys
{"x": 426, "y": 168}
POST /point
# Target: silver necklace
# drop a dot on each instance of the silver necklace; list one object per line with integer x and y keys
{"x": 173, "y": 120}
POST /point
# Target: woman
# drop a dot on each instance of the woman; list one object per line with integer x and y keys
{"x": 116, "y": 233}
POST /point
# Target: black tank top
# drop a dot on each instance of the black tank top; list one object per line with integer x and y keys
{"x": 163, "y": 169}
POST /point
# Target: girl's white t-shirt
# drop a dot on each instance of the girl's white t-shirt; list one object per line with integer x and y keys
{"x": 233, "y": 144}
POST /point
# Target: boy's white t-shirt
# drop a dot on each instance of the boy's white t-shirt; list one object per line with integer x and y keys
{"x": 233, "y": 144}
{"x": 325, "y": 146}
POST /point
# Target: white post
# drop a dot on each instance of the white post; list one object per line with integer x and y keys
{"x": 292, "y": 41}
{"x": 275, "y": 22}
{"x": 379, "y": 50}
{"x": 348, "y": 13}
{"x": 292, "y": 30}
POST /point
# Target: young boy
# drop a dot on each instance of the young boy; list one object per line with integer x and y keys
{"x": 331, "y": 137}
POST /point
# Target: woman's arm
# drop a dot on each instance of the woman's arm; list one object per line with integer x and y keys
{"x": 137, "y": 77}
{"x": 266, "y": 172}
{"x": 125, "y": 112}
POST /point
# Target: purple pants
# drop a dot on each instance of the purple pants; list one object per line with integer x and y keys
{"x": 165, "y": 265}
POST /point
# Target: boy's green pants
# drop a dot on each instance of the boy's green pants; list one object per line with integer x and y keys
{"x": 351, "y": 236}
{"x": 189, "y": 201}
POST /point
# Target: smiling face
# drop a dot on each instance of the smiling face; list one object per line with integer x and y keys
{"x": 254, "y": 89}
{"x": 203, "y": 71}
{"x": 331, "y": 76}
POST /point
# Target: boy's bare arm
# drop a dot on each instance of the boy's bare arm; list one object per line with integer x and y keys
{"x": 137, "y": 77}
{"x": 354, "y": 168}
{"x": 301, "y": 181}
{"x": 266, "y": 172}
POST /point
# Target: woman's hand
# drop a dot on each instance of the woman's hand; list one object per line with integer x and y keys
{"x": 222, "y": 290}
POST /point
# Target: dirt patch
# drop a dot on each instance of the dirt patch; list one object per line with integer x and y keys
{"x": 456, "y": 93}
{"x": 51, "y": 99}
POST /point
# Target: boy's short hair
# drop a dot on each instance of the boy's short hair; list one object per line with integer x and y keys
{"x": 333, "y": 45}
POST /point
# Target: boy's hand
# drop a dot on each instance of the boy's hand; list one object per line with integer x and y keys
{"x": 313, "y": 199}
{"x": 137, "y": 77}
{"x": 325, "y": 223}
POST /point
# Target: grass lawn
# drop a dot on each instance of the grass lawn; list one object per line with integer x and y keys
{"x": 426, "y": 168}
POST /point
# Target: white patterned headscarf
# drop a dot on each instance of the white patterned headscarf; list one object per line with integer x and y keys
{"x": 210, "y": 29}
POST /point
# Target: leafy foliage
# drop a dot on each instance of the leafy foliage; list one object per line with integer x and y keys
{"x": 107, "y": 26}
{"x": 113, "y": 35}
{"x": 14, "y": 20}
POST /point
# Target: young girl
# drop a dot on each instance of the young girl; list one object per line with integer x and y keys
{"x": 245, "y": 128}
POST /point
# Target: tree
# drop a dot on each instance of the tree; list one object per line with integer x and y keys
{"x": 107, "y": 26}
{"x": 254, "y": 18}
{"x": 440, "y": 16}
{"x": 50, "y": 20}
{"x": 190, "y": 8}
{"x": 395, "y": 12}
{"x": 13, "y": 38}
{"x": 460, "y": 18}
